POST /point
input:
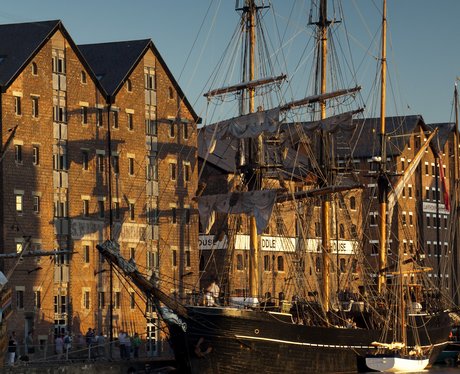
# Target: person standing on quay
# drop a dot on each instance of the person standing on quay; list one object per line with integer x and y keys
{"x": 59, "y": 343}
{"x": 12, "y": 345}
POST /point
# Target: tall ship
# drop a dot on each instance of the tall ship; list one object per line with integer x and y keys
{"x": 286, "y": 168}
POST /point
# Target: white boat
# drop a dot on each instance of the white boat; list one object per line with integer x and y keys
{"x": 396, "y": 364}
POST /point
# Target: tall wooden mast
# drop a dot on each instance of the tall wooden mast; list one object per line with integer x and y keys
{"x": 323, "y": 25}
{"x": 382, "y": 179}
{"x": 254, "y": 157}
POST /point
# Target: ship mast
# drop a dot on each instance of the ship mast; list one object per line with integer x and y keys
{"x": 383, "y": 179}
{"x": 323, "y": 25}
{"x": 254, "y": 157}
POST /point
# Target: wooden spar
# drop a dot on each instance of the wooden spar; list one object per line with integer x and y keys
{"x": 244, "y": 86}
{"x": 325, "y": 203}
{"x": 111, "y": 252}
{"x": 316, "y": 192}
{"x": 383, "y": 182}
{"x": 34, "y": 254}
{"x": 456, "y": 193}
{"x": 319, "y": 98}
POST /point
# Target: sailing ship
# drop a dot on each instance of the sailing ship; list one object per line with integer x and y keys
{"x": 312, "y": 332}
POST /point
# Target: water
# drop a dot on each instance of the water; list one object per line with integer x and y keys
{"x": 436, "y": 370}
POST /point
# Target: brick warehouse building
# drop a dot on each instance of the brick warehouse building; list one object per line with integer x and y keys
{"x": 94, "y": 125}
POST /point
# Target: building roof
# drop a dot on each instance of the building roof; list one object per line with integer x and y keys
{"x": 398, "y": 129}
{"x": 113, "y": 63}
{"x": 445, "y": 129}
{"x": 20, "y": 42}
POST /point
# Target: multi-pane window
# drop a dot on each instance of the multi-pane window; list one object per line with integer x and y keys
{"x": 149, "y": 77}
{"x": 60, "y": 160}
{"x": 60, "y": 209}
{"x": 131, "y": 165}
{"x": 17, "y": 105}
{"x": 84, "y": 160}
{"x": 151, "y": 127}
{"x": 59, "y": 113}
{"x": 84, "y": 115}
{"x": 35, "y": 155}
{"x": 36, "y": 199}
{"x": 60, "y": 304}
{"x": 18, "y": 153}
{"x": 86, "y": 254}
{"x": 130, "y": 118}
{"x": 35, "y": 108}
{"x": 58, "y": 65}
{"x": 19, "y": 206}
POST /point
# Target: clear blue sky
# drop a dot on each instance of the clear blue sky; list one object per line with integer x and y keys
{"x": 423, "y": 45}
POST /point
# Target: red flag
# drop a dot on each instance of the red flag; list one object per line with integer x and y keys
{"x": 444, "y": 186}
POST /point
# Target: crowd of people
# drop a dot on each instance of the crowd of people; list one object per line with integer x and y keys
{"x": 91, "y": 345}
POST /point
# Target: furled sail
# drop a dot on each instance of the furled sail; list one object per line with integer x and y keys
{"x": 254, "y": 203}
{"x": 247, "y": 126}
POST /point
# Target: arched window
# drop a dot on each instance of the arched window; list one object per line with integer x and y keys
{"x": 266, "y": 263}
{"x": 352, "y": 203}
{"x": 280, "y": 263}
{"x": 341, "y": 231}
{"x": 129, "y": 85}
{"x": 34, "y": 68}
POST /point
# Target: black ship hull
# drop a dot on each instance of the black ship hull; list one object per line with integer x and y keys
{"x": 226, "y": 340}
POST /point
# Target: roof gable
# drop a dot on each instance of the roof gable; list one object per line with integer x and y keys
{"x": 113, "y": 63}
{"x": 19, "y": 43}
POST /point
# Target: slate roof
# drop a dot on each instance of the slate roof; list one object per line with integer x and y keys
{"x": 113, "y": 62}
{"x": 19, "y": 43}
{"x": 444, "y": 131}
